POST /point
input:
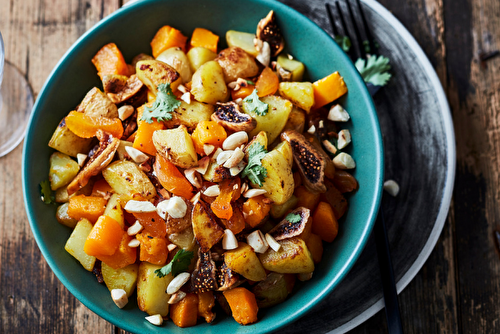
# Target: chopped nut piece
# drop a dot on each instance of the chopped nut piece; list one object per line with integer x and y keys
{"x": 177, "y": 297}
{"x": 254, "y": 192}
{"x": 312, "y": 129}
{"x": 196, "y": 198}
{"x": 134, "y": 243}
{"x": 134, "y": 229}
{"x": 235, "y": 158}
{"x": 208, "y": 149}
{"x": 216, "y": 154}
{"x": 329, "y": 146}
{"x": 338, "y": 114}
{"x": 156, "y": 319}
{"x": 182, "y": 89}
{"x": 238, "y": 168}
{"x": 161, "y": 209}
{"x": 171, "y": 247}
{"x": 224, "y": 156}
{"x": 392, "y": 187}
{"x": 344, "y": 139}
{"x": 186, "y": 97}
{"x": 139, "y": 206}
{"x": 176, "y": 207}
{"x": 202, "y": 165}
{"x": 272, "y": 242}
{"x": 178, "y": 282}
{"x": 229, "y": 240}
{"x": 321, "y": 124}
{"x": 257, "y": 241}
{"x": 344, "y": 161}
{"x": 81, "y": 159}
{"x": 235, "y": 140}
{"x": 264, "y": 56}
{"x": 193, "y": 177}
{"x": 136, "y": 155}
{"x": 125, "y": 112}
{"x": 212, "y": 191}
{"x": 119, "y": 296}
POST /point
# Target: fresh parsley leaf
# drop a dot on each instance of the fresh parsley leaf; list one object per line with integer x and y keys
{"x": 374, "y": 70}
{"x": 344, "y": 42}
{"x": 250, "y": 82}
{"x": 46, "y": 192}
{"x": 293, "y": 218}
{"x": 255, "y": 172}
{"x": 180, "y": 263}
{"x": 163, "y": 106}
{"x": 253, "y": 104}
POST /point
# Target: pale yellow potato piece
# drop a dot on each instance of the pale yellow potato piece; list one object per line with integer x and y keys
{"x": 128, "y": 180}
{"x": 260, "y": 138}
{"x": 242, "y": 40}
{"x": 278, "y": 211}
{"x": 245, "y": 262}
{"x": 97, "y": 104}
{"x": 123, "y": 278}
{"x": 279, "y": 182}
{"x": 293, "y": 257}
{"x": 190, "y": 114}
{"x": 208, "y": 84}
{"x": 300, "y": 93}
{"x": 198, "y": 56}
{"x": 114, "y": 210}
{"x": 176, "y": 146}
{"x": 154, "y": 72}
{"x": 152, "y": 297}
{"x": 286, "y": 150}
{"x": 67, "y": 142}
{"x": 63, "y": 217}
{"x": 176, "y": 58}
{"x": 236, "y": 63}
{"x": 296, "y": 120}
{"x": 76, "y": 242}
{"x": 184, "y": 239}
{"x": 62, "y": 170}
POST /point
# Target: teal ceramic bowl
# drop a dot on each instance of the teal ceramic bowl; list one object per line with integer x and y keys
{"x": 132, "y": 28}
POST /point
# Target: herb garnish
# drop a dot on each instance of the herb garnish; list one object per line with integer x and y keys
{"x": 293, "y": 218}
{"x": 46, "y": 192}
{"x": 180, "y": 263}
{"x": 374, "y": 70}
{"x": 163, "y": 106}
{"x": 255, "y": 172}
{"x": 253, "y": 104}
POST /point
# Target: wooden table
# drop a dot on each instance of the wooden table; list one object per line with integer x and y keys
{"x": 458, "y": 288}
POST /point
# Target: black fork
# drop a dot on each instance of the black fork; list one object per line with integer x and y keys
{"x": 366, "y": 48}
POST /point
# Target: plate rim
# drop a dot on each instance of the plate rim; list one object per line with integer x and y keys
{"x": 451, "y": 167}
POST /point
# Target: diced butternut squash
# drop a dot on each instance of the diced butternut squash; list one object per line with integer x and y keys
{"x": 315, "y": 246}
{"x": 243, "y": 305}
{"x": 109, "y": 60}
{"x": 230, "y": 191}
{"x": 143, "y": 140}
{"x": 153, "y": 250}
{"x": 242, "y": 92}
{"x": 87, "y": 126}
{"x": 336, "y": 200}
{"x": 306, "y": 198}
{"x": 328, "y": 89}
{"x": 268, "y": 83}
{"x": 152, "y": 223}
{"x": 325, "y": 224}
{"x": 171, "y": 178}
{"x": 167, "y": 37}
{"x": 67, "y": 142}
{"x": 237, "y": 222}
{"x": 255, "y": 210}
{"x": 210, "y": 133}
{"x": 185, "y": 312}
{"x": 204, "y": 38}
{"x": 123, "y": 256}
{"x": 105, "y": 237}
{"x": 206, "y": 302}
{"x": 76, "y": 242}
{"x": 101, "y": 188}
{"x": 88, "y": 207}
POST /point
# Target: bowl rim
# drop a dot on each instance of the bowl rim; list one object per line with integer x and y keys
{"x": 297, "y": 312}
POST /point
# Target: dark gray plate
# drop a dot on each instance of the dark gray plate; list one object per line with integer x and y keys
{"x": 420, "y": 155}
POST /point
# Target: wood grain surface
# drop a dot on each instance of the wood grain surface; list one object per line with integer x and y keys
{"x": 457, "y": 291}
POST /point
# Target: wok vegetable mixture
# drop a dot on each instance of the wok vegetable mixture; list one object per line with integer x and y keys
{"x": 202, "y": 177}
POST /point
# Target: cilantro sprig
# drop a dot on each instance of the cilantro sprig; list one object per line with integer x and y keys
{"x": 344, "y": 42}
{"x": 255, "y": 172}
{"x": 180, "y": 263}
{"x": 163, "y": 106}
{"x": 293, "y": 218}
{"x": 253, "y": 104}
{"x": 46, "y": 192}
{"x": 374, "y": 70}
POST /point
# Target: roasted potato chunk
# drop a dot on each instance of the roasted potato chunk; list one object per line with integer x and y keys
{"x": 271, "y": 291}
{"x": 154, "y": 72}
{"x": 286, "y": 150}
{"x": 275, "y": 119}
{"x": 296, "y": 120}
{"x": 76, "y": 241}
{"x": 279, "y": 182}
{"x": 97, "y": 104}
{"x": 278, "y": 211}
{"x": 198, "y": 56}
{"x": 114, "y": 210}
{"x": 245, "y": 262}
{"x": 176, "y": 58}
{"x": 293, "y": 257}
{"x": 242, "y": 40}
{"x": 184, "y": 239}
{"x": 152, "y": 297}
{"x": 206, "y": 230}
{"x": 63, "y": 217}
{"x": 190, "y": 114}
{"x": 124, "y": 278}
{"x": 236, "y": 63}
{"x": 208, "y": 84}
{"x": 176, "y": 146}
{"x": 67, "y": 142}
{"x": 300, "y": 93}
{"x": 128, "y": 180}
{"x": 62, "y": 170}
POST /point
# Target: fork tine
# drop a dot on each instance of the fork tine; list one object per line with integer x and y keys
{"x": 346, "y": 34}
{"x": 368, "y": 34}
{"x": 332, "y": 21}
{"x": 359, "y": 41}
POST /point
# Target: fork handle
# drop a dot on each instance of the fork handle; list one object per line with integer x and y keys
{"x": 392, "y": 314}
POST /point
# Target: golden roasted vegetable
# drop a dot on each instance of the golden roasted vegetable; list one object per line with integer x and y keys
{"x": 289, "y": 69}
{"x": 242, "y": 40}
{"x": 198, "y": 56}
{"x": 260, "y": 138}
{"x": 300, "y": 93}
{"x": 206, "y": 230}
{"x": 123, "y": 278}
{"x": 62, "y": 170}
{"x": 97, "y": 104}
{"x": 216, "y": 173}
{"x": 279, "y": 182}
{"x": 128, "y": 180}
{"x": 154, "y": 72}
{"x": 176, "y": 146}
{"x": 278, "y": 211}
{"x": 184, "y": 239}
{"x": 152, "y": 297}
{"x": 114, "y": 210}
{"x": 121, "y": 151}
{"x": 67, "y": 142}
{"x": 208, "y": 84}
{"x": 76, "y": 241}
{"x": 176, "y": 58}
{"x": 271, "y": 291}
{"x": 296, "y": 120}
{"x": 190, "y": 114}
{"x": 245, "y": 262}
{"x": 275, "y": 119}
{"x": 286, "y": 150}
{"x": 293, "y": 257}
{"x": 236, "y": 63}
{"x": 63, "y": 217}
{"x": 113, "y": 83}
